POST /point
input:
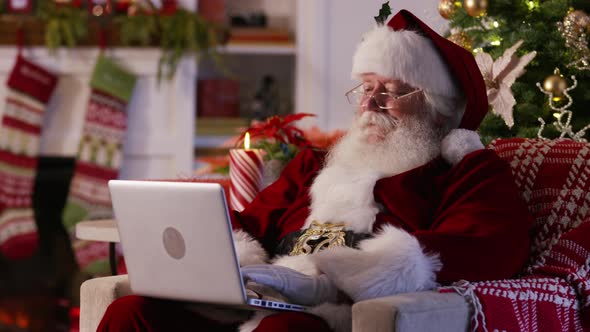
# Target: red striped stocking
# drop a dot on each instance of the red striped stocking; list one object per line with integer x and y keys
{"x": 99, "y": 158}
{"x": 29, "y": 88}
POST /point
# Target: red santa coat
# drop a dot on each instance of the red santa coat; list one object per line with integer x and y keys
{"x": 471, "y": 213}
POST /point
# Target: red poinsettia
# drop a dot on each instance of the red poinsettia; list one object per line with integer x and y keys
{"x": 282, "y": 129}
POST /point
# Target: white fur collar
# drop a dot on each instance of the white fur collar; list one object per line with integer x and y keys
{"x": 342, "y": 195}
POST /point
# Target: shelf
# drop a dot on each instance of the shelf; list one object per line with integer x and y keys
{"x": 208, "y": 142}
{"x": 259, "y": 48}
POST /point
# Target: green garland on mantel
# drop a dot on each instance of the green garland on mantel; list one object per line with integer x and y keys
{"x": 179, "y": 33}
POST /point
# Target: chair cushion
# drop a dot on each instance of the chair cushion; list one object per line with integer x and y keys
{"x": 554, "y": 179}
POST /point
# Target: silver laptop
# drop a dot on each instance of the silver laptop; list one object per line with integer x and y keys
{"x": 178, "y": 244}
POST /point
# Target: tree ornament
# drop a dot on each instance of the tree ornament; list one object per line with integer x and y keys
{"x": 573, "y": 29}
{"x": 100, "y": 8}
{"x": 499, "y": 76}
{"x": 555, "y": 84}
{"x": 475, "y": 7}
{"x": 462, "y": 39}
{"x": 446, "y": 8}
{"x": 565, "y": 128}
{"x": 579, "y": 19}
{"x": 20, "y": 6}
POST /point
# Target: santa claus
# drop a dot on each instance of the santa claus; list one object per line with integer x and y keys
{"x": 407, "y": 200}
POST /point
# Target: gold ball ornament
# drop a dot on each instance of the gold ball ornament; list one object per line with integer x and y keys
{"x": 579, "y": 19}
{"x": 555, "y": 84}
{"x": 475, "y": 7}
{"x": 462, "y": 39}
{"x": 446, "y": 8}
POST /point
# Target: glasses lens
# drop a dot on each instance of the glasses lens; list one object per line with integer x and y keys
{"x": 384, "y": 100}
{"x": 355, "y": 97}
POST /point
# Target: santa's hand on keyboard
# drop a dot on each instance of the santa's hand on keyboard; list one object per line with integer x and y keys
{"x": 297, "y": 287}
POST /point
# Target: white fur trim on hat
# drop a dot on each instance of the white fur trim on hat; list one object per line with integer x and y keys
{"x": 404, "y": 55}
{"x": 390, "y": 263}
{"x": 249, "y": 250}
{"x": 458, "y": 143}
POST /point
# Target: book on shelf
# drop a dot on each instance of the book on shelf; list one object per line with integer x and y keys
{"x": 259, "y": 35}
{"x": 218, "y": 97}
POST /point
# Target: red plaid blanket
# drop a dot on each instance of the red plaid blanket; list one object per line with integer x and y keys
{"x": 553, "y": 293}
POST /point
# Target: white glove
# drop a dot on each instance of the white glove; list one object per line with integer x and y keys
{"x": 298, "y": 287}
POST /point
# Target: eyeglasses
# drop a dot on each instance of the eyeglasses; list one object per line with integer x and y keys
{"x": 384, "y": 100}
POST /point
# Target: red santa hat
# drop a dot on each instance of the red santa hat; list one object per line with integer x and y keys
{"x": 407, "y": 49}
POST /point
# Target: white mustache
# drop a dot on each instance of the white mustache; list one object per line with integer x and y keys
{"x": 381, "y": 120}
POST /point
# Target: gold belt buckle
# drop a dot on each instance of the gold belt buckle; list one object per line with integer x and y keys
{"x": 325, "y": 235}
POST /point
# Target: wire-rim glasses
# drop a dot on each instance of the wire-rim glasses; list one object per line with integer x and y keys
{"x": 384, "y": 100}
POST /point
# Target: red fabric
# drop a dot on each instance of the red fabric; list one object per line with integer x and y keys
{"x": 461, "y": 64}
{"x": 470, "y": 214}
{"x": 554, "y": 293}
{"x": 26, "y": 77}
{"x": 136, "y": 313}
{"x": 21, "y": 125}
{"x": 553, "y": 177}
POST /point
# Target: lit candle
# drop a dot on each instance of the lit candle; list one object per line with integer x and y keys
{"x": 245, "y": 174}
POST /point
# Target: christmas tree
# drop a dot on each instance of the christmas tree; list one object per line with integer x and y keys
{"x": 492, "y": 26}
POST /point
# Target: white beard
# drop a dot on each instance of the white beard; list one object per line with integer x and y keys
{"x": 343, "y": 190}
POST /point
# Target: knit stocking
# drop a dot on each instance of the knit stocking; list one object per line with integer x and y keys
{"x": 99, "y": 158}
{"x": 29, "y": 88}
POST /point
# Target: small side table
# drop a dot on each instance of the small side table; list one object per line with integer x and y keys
{"x": 101, "y": 230}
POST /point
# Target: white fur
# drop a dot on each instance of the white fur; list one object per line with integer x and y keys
{"x": 338, "y": 316}
{"x": 404, "y": 55}
{"x": 458, "y": 143}
{"x": 249, "y": 250}
{"x": 390, "y": 263}
{"x": 342, "y": 194}
{"x": 343, "y": 190}
{"x": 301, "y": 263}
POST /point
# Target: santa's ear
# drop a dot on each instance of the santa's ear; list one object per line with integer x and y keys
{"x": 458, "y": 143}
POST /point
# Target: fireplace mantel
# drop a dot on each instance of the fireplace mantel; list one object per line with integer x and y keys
{"x": 161, "y": 120}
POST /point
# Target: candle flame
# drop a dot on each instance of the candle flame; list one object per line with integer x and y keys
{"x": 247, "y": 141}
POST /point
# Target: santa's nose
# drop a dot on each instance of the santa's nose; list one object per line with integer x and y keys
{"x": 370, "y": 104}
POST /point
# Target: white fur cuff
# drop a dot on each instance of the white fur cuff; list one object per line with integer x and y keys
{"x": 458, "y": 143}
{"x": 390, "y": 263}
{"x": 249, "y": 250}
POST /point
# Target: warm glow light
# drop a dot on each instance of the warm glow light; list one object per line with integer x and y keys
{"x": 557, "y": 115}
{"x": 496, "y": 24}
{"x": 22, "y": 320}
{"x": 496, "y": 42}
{"x": 477, "y": 50}
{"x": 531, "y": 5}
{"x": 247, "y": 141}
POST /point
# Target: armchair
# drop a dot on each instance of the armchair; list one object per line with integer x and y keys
{"x": 552, "y": 293}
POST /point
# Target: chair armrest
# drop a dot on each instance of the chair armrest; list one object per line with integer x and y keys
{"x": 96, "y": 295}
{"x": 420, "y": 311}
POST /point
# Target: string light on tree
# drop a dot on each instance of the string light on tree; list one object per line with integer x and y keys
{"x": 475, "y": 8}
{"x": 563, "y": 114}
{"x": 532, "y": 4}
